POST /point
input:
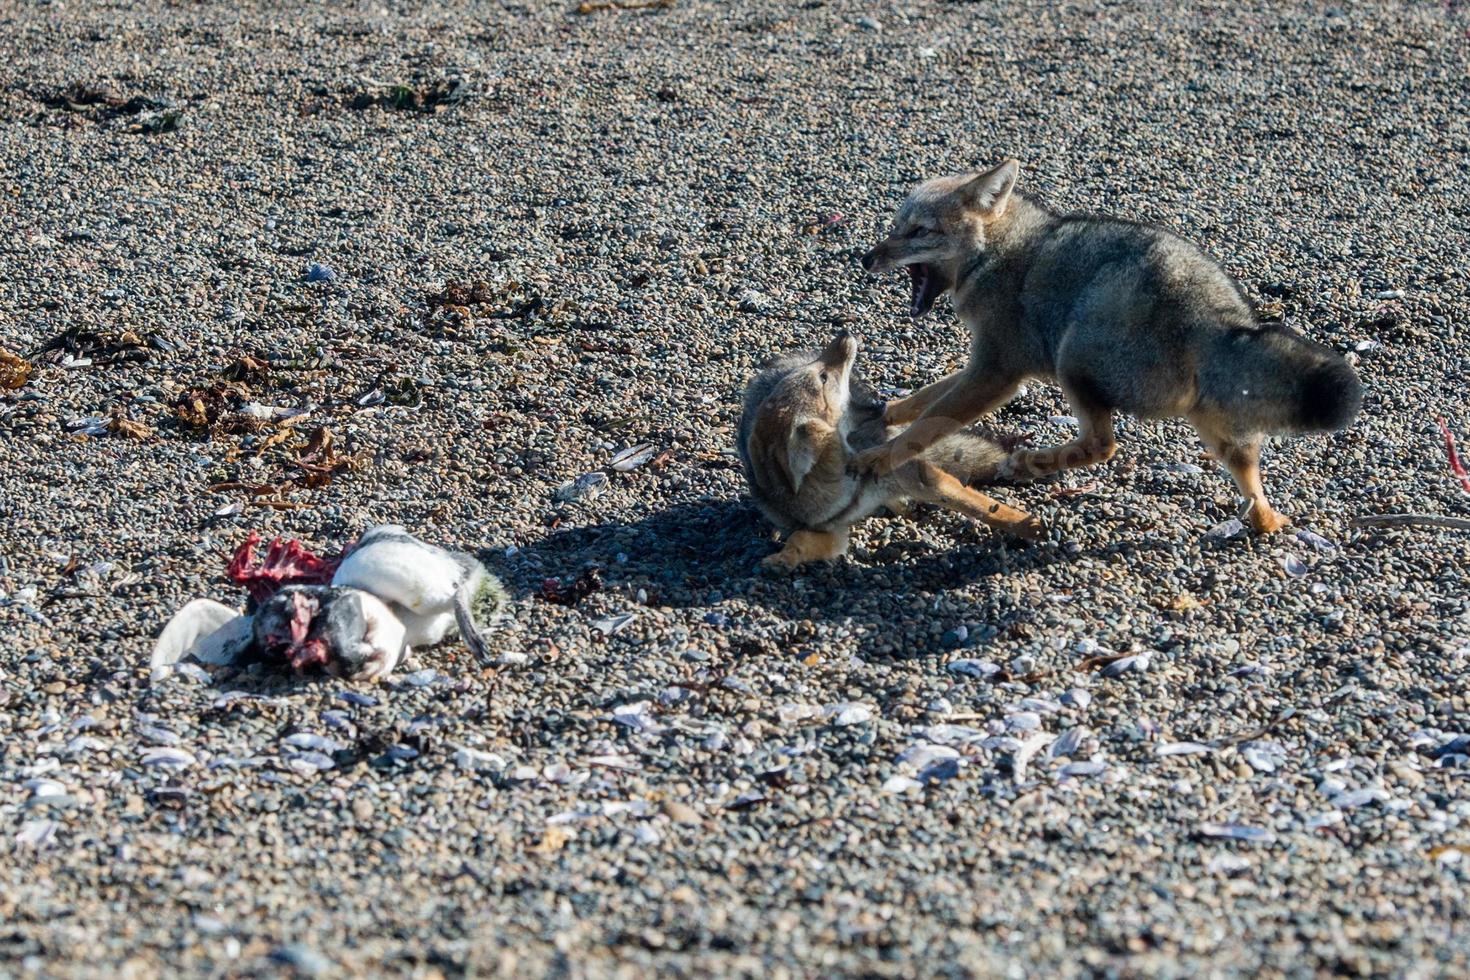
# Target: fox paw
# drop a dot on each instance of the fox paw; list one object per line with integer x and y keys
{"x": 1267, "y": 521}
{"x": 782, "y": 561}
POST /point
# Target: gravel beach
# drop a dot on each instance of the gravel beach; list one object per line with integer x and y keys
{"x": 302, "y": 269}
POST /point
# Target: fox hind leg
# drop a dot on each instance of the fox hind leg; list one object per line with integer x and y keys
{"x": 928, "y": 482}
{"x": 1242, "y": 457}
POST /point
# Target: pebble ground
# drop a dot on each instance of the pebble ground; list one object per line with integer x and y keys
{"x": 227, "y": 225}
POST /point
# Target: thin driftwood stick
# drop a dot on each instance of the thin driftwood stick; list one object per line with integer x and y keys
{"x": 1412, "y": 520}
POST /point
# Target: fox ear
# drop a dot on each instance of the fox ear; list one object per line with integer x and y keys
{"x": 991, "y": 190}
{"x": 803, "y": 449}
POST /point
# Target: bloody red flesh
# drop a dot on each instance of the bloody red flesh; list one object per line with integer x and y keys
{"x": 312, "y": 653}
{"x": 285, "y": 562}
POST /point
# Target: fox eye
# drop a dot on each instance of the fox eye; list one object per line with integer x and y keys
{"x": 824, "y": 377}
{"x": 916, "y": 231}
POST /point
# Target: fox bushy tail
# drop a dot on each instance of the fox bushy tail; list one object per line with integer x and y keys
{"x": 967, "y": 456}
{"x": 1270, "y": 379}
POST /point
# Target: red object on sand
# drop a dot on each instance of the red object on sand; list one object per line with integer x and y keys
{"x": 284, "y": 563}
{"x": 1449, "y": 447}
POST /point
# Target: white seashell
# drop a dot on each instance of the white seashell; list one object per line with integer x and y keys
{"x": 155, "y": 735}
{"x": 37, "y": 834}
{"x": 1189, "y": 468}
{"x": 1293, "y": 566}
{"x": 361, "y": 700}
{"x": 41, "y": 788}
{"x": 230, "y": 509}
{"x": 895, "y": 785}
{"x": 954, "y": 734}
{"x": 84, "y": 743}
{"x": 790, "y": 714}
{"x": 310, "y": 762}
{"x": 635, "y": 716}
{"x": 512, "y": 658}
{"x": 609, "y": 625}
{"x": 1328, "y": 819}
{"x": 1021, "y": 758}
{"x": 1263, "y": 756}
{"x": 1359, "y": 797}
{"x": 313, "y": 741}
{"x": 584, "y": 487}
{"x": 627, "y": 763}
{"x": 1226, "y": 529}
{"x": 633, "y": 457}
{"x": 1138, "y": 663}
{"x": 616, "y": 808}
{"x": 1091, "y": 768}
{"x": 973, "y": 668}
{"x": 647, "y": 835}
{"x": 1069, "y": 742}
{"x": 1318, "y": 543}
{"x": 1077, "y": 698}
{"x": 1182, "y": 748}
{"x": 338, "y": 719}
{"x": 1023, "y": 721}
{"x": 476, "y": 760}
{"x": 524, "y": 773}
{"x": 851, "y": 713}
{"x": 1228, "y": 863}
{"x": 168, "y": 757}
{"x": 1041, "y": 705}
{"x": 924, "y": 754}
{"x": 1238, "y": 831}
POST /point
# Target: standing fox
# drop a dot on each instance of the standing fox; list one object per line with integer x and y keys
{"x": 800, "y": 420}
{"x": 1124, "y": 316}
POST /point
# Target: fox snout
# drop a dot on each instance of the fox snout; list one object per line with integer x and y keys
{"x": 839, "y": 354}
{"x": 876, "y": 260}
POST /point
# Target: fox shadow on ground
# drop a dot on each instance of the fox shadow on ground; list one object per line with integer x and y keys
{"x": 701, "y": 553}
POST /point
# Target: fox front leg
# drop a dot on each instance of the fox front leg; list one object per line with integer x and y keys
{"x": 808, "y": 546}
{"x": 905, "y": 410}
{"x": 970, "y": 396}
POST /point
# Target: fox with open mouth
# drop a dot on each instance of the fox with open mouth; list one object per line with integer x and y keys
{"x": 1124, "y": 316}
